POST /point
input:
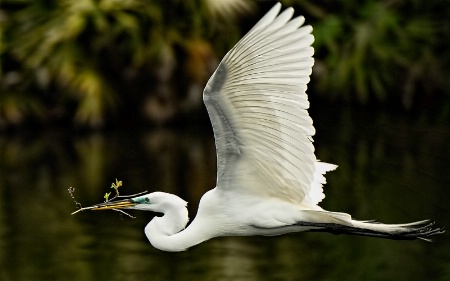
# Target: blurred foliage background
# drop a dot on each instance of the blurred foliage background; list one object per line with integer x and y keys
{"x": 95, "y": 63}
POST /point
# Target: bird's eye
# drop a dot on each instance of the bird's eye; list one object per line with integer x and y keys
{"x": 147, "y": 200}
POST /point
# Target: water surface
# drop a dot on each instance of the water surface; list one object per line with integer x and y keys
{"x": 389, "y": 169}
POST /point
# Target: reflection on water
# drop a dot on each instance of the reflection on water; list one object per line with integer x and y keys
{"x": 387, "y": 170}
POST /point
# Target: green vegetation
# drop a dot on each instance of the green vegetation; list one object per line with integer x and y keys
{"x": 382, "y": 50}
{"x": 87, "y": 62}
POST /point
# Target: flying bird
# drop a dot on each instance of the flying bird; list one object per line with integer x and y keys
{"x": 269, "y": 181}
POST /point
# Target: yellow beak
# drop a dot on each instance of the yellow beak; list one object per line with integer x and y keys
{"x": 114, "y": 205}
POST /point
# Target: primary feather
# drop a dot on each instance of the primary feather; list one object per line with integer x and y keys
{"x": 258, "y": 105}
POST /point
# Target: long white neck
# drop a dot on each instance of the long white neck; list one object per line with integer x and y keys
{"x": 166, "y": 233}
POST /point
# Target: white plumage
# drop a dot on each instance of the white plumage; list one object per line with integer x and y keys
{"x": 269, "y": 181}
{"x": 258, "y": 106}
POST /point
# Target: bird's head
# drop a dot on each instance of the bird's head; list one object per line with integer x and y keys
{"x": 160, "y": 202}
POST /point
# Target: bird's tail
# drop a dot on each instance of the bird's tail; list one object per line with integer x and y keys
{"x": 407, "y": 231}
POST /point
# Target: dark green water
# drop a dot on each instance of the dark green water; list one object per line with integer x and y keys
{"x": 389, "y": 169}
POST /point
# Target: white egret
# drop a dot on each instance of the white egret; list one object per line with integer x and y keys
{"x": 269, "y": 181}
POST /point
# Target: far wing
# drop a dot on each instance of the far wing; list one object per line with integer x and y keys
{"x": 258, "y": 105}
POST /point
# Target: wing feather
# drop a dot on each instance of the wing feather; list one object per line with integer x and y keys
{"x": 258, "y": 105}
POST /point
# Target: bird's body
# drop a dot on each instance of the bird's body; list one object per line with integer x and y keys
{"x": 225, "y": 214}
{"x": 269, "y": 181}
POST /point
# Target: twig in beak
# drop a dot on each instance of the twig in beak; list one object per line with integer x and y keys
{"x": 123, "y": 212}
{"x": 132, "y": 195}
{"x": 115, "y": 186}
{"x": 83, "y": 209}
{"x": 71, "y": 191}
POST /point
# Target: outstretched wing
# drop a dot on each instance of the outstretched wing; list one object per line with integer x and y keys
{"x": 258, "y": 105}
